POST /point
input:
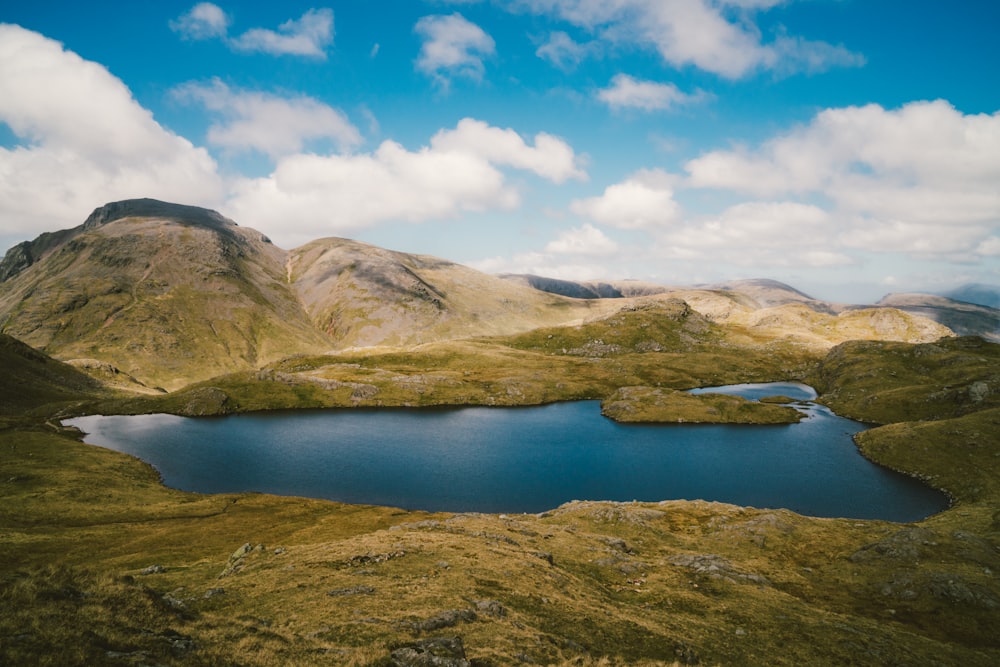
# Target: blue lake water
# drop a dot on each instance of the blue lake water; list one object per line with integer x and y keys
{"x": 519, "y": 459}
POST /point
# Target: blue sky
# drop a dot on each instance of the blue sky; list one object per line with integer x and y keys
{"x": 848, "y": 147}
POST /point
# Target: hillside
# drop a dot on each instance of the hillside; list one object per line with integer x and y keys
{"x": 168, "y": 294}
{"x": 360, "y": 295}
{"x": 964, "y": 318}
{"x": 32, "y": 379}
{"x": 983, "y": 295}
{"x": 105, "y": 566}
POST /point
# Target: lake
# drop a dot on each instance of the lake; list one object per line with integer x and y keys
{"x": 529, "y": 459}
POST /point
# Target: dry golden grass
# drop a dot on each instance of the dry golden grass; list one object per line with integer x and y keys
{"x": 100, "y": 564}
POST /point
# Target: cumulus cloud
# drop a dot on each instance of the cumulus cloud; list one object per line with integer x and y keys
{"x": 586, "y": 240}
{"x": 453, "y": 47}
{"x": 550, "y": 157}
{"x": 563, "y": 51}
{"x": 708, "y": 34}
{"x": 626, "y": 92}
{"x": 268, "y": 123}
{"x": 920, "y": 179}
{"x": 643, "y": 201}
{"x": 308, "y": 35}
{"x": 309, "y": 196}
{"x": 82, "y": 140}
{"x": 203, "y": 21}
{"x": 760, "y": 234}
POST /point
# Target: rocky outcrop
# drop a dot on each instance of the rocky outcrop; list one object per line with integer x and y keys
{"x": 436, "y": 652}
{"x": 153, "y": 208}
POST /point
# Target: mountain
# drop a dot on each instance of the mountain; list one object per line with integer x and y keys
{"x": 983, "y": 295}
{"x": 170, "y": 294}
{"x": 361, "y": 295}
{"x": 586, "y": 289}
{"x": 765, "y": 293}
{"x": 964, "y": 318}
{"x": 149, "y": 294}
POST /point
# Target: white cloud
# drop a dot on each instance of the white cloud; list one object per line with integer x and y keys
{"x": 626, "y": 92}
{"x": 562, "y": 51}
{"x": 550, "y": 157}
{"x": 764, "y": 235}
{"x": 308, "y": 36}
{"x": 204, "y": 21}
{"x": 541, "y": 264}
{"x": 989, "y": 247}
{"x": 921, "y": 179}
{"x": 308, "y": 196}
{"x": 706, "y": 34}
{"x": 586, "y": 240}
{"x": 268, "y": 123}
{"x": 790, "y": 55}
{"x": 453, "y": 47}
{"x": 644, "y": 200}
{"x": 82, "y": 141}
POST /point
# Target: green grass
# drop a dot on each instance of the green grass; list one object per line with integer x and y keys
{"x": 895, "y": 382}
{"x": 646, "y": 404}
{"x": 589, "y": 583}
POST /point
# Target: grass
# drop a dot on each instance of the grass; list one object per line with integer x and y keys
{"x": 101, "y": 564}
{"x": 646, "y": 404}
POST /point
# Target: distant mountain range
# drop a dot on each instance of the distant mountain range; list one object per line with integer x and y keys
{"x": 165, "y": 294}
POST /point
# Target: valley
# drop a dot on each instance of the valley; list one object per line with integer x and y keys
{"x": 151, "y": 307}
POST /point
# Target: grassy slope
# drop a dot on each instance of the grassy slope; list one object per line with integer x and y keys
{"x": 657, "y": 345}
{"x": 639, "y": 583}
{"x": 361, "y": 295}
{"x": 166, "y": 302}
{"x": 32, "y": 379}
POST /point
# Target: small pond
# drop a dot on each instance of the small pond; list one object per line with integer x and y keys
{"x": 521, "y": 459}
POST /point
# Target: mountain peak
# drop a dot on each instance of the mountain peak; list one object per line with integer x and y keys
{"x": 26, "y": 253}
{"x": 154, "y": 208}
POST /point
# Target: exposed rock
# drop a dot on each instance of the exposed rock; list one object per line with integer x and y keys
{"x": 372, "y": 559}
{"x": 717, "y": 567}
{"x": 238, "y": 558}
{"x": 445, "y": 619}
{"x": 17, "y": 259}
{"x": 946, "y": 586}
{"x": 904, "y": 545}
{"x": 353, "y": 590}
{"x": 152, "y": 569}
{"x": 490, "y": 608}
{"x": 613, "y": 512}
{"x": 544, "y": 555}
{"x": 434, "y": 652}
{"x": 617, "y": 544}
{"x": 153, "y": 208}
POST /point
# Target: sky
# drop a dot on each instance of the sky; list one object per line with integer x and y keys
{"x": 850, "y": 148}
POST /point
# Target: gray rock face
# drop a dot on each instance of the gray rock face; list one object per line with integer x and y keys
{"x": 16, "y": 260}
{"x": 153, "y": 208}
{"x": 906, "y": 545}
{"x": 435, "y": 652}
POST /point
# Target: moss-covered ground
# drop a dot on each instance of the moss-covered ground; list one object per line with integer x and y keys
{"x": 101, "y": 564}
